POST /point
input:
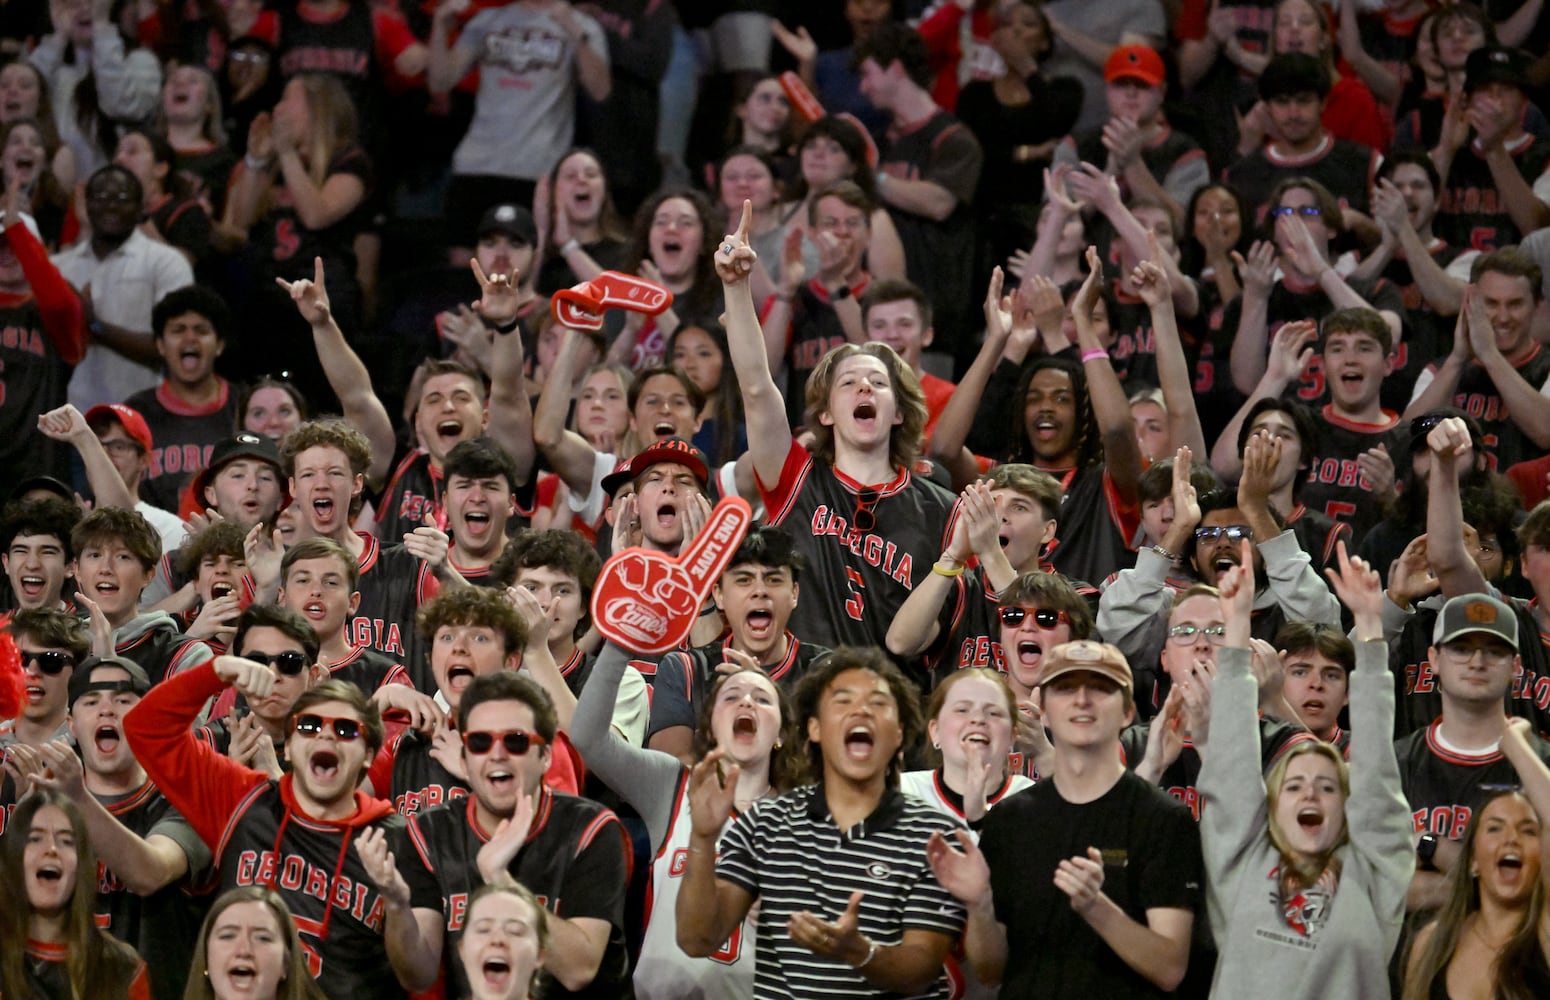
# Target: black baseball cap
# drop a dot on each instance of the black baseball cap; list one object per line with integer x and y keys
{"x": 512, "y": 220}
{"x": 1495, "y": 64}
{"x": 48, "y": 483}
{"x": 244, "y": 445}
{"x": 139, "y": 681}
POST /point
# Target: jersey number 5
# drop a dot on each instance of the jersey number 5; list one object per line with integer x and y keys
{"x": 855, "y": 604}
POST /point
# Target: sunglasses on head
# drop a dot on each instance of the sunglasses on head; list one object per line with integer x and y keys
{"x": 1234, "y": 532}
{"x": 290, "y": 663}
{"x": 516, "y": 742}
{"x": 347, "y": 730}
{"x": 1014, "y": 616}
{"x": 50, "y": 662}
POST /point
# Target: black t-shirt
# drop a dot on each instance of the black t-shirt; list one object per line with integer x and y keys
{"x": 1151, "y": 853}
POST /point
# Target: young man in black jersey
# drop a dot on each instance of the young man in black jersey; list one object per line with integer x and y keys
{"x": 480, "y": 500}
{"x": 149, "y": 857}
{"x": 1497, "y": 371}
{"x": 320, "y": 581}
{"x": 116, "y": 554}
{"x": 569, "y": 851}
{"x": 1086, "y": 884}
{"x": 756, "y": 595}
{"x": 877, "y": 923}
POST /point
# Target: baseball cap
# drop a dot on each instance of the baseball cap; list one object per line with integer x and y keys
{"x": 134, "y": 425}
{"x": 513, "y": 220}
{"x": 244, "y": 445}
{"x": 1421, "y": 427}
{"x": 1135, "y": 62}
{"x": 139, "y": 681}
{"x": 671, "y": 449}
{"x": 55, "y": 486}
{"x": 1470, "y": 613}
{"x": 1495, "y": 64}
{"x": 1085, "y": 655}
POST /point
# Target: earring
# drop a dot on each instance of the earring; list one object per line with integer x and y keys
{"x": 935, "y": 745}
{"x": 777, "y": 744}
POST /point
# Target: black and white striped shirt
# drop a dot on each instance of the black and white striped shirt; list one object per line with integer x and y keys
{"x": 788, "y": 853}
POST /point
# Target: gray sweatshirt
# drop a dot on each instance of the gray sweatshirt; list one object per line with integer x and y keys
{"x": 1348, "y": 955}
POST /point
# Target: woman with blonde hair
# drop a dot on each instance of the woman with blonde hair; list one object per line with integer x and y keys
{"x": 1307, "y": 870}
{"x": 504, "y": 942}
{"x": 248, "y": 948}
{"x": 192, "y": 120}
{"x": 299, "y": 194}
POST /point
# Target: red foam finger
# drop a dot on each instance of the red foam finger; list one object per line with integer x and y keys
{"x": 803, "y": 102}
{"x": 616, "y": 290}
{"x": 576, "y": 310}
{"x": 866, "y": 137}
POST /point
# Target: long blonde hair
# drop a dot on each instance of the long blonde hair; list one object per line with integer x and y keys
{"x": 334, "y": 123}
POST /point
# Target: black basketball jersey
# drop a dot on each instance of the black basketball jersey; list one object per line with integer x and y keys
{"x": 1096, "y": 525}
{"x": 419, "y": 781}
{"x": 971, "y": 625}
{"x": 861, "y": 577}
{"x": 393, "y": 586}
{"x": 684, "y": 678}
{"x": 34, "y": 376}
{"x": 1504, "y": 444}
{"x": 162, "y": 651}
{"x": 368, "y": 669}
{"x": 1347, "y": 169}
{"x": 164, "y": 926}
{"x": 183, "y": 439}
{"x": 575, "y": 861}
{"x": 1445, "y": 786}
{"x": 1470, "y": 210}
{"x": 343, "y": 47}
{"x": 1319, "y": 535}
{"x": 1335, "y": 485}
{"x": 413, "y": 490}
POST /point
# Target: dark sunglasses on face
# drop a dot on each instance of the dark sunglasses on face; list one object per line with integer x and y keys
{"x": 50, "y": 662}
{"x": 290, "y": 663}
{"x": 347, "y": 730}
{"x": 1012, "y": 617}
{"x": 516, "y": 742}
{"x": 1234, "y": 532}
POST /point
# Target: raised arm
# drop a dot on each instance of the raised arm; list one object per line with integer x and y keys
{"x": 569, "y": 454}
{"x": 1121, "y": 451}
{"x": 1530, "y": 409}
{"x": 1173, "y": 372}
{"x": 347, "y": 373}
{"x": 1385, "y": 86}
{"x": 1090, "y": 184}
{"x": 769, "y": 432}
{"x": 1450, "y": 560}
{"x": 1443, "y": 292}
{"x": 957, "y": 418}
{"x": 511, "y": 413}
{"x": 107, "y": 486}
{"x": 1289, "y": 354}
{"x": 1249, "y": 341}
{"x": 1437, "y": 391}
{"x": 917, "y": 624}
{"x": 446, "y": 65}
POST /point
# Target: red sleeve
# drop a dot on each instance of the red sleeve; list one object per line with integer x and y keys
{"x": 1190, "y": 25}
{"x": 392, "y": 35}
{"x": 63, "y": 319}
{"x": 777, "y": 499}
{"x": 201, "y": 784}
{"x": 267, "y": 27}
{"x": 940, "y": 31}
{"x": 1126, "y": 517}
{"x": 140, "y": 987}
{"x": 566, "y": 771}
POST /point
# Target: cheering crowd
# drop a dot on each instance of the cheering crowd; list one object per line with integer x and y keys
{"x": 1043, "y": 499}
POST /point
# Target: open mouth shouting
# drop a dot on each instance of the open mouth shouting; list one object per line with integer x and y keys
{"x": 324, "y": 511}
{"x": 1045, "y": 427}
{"x": 759, "y": 623}
{"x": 1509, "y": 867}
{"x": 664, "y": 429}
{"x": 459, "y": 676}
{"x": 860, "y": 742}
{"x": 502, "y": 780}
{"x": 315, "y": 610}
{"x": 450, "y": 431}
{"x": 476, "y": 522}
{"x": 107, "y": 740}
{"x": 1029, "y": 654}
{"x": 1310, "y": 819}
{"x": 496, "y": 974}
{"x": 220, "y": 590}
{"x": 32, "y": 587}
{"x": 666, "y": 516}
{"x": 1222, "y": 562}
{"x": 35, "y": 693}
{"x": 191, "y": 360}
{"x": 242, "y": 976}
{"x": 323, "y": 765}
{"x": 745, "y": 727}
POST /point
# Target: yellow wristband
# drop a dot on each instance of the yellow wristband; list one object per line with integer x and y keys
{"x": 939, "y": 571}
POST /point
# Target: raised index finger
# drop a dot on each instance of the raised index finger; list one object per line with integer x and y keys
{"x": 712, "y": 547}
{"x": 745, "y": 221}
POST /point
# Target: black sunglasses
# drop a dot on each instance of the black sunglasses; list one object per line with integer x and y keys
{"x": 1234, "y": 532}
{"x": 1014, "y": 616}
{"x": 51, "y": 662}
{"x": 516, "y": 742}
{"x": 865, "y": 519}
{"x": 348, "y": 730}
{"x": 290, "y": 663}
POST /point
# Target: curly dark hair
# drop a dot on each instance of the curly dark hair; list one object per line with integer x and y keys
{"x": 48, "y": 515}
{"x": 477, "y": 606}
{"x": 223, "y": 538}
{"x": 558, "y": 549}
{"x": 906, "y": 696}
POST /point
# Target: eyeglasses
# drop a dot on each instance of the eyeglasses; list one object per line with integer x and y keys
{"x": 50, "y": 662}
{"x": 1013, "y": 616}
{"x": 290, "y": 663}
{"x": 1306, "y": 211}
{"x": 865, "y": 519}
{"x": 348, "y": 730}
{"x": 516, "y": 742}
{"x": 110, "y": 198}
{"x": 1463, "y": 653}
{"x": 1234, "y": 532}
{"x": 1184, "y": 635}
{"x": 248, "y": 56}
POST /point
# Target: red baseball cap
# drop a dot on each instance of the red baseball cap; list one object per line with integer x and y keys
{"x": 1135, "y": 62}
{"x": 671, "y": 449}
{"x": 134, "y": 425}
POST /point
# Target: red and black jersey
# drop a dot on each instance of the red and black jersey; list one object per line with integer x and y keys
{"x": 164, "y": 926}
{"x": 162, "y": 650}
{"x": 863, "y": 577}
{"x": 575, "y": 860}
{"x": 684, "y": 678}
{"x": 813, "y": 330}
{"x": 393, "y": 586}
{"x": 1319, "y": 534}
{"x": 368, "y": 669}
{"x": 1096, "y": 525}
{"x": 1417, "y": 699}
{"x": 1505, "y": 445}
{"x": 183, "y": 438}
{"x": 1180, "y": 778}
{"x": 1346, "y": 168}
{"x": 971, "y": 626}
{"x": 48, "y": 973}
{"x": 1428, "y": 336}
{"x": 1470, "y": 209}
{"x": 285, "y": 244}
{"x": 413, "y": 490}
{"x": 260, "y": 836}
{"x": 1444, "y": 786}
{"x": 412, "y": 779}
{"x": 42, "y": 339}
{"x": 1335, "y": 485}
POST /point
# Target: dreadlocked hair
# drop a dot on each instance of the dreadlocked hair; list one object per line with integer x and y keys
{"x": 1089, "y": 440}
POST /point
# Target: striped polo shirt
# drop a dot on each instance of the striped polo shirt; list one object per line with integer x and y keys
{"x": 788, "y": 854}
